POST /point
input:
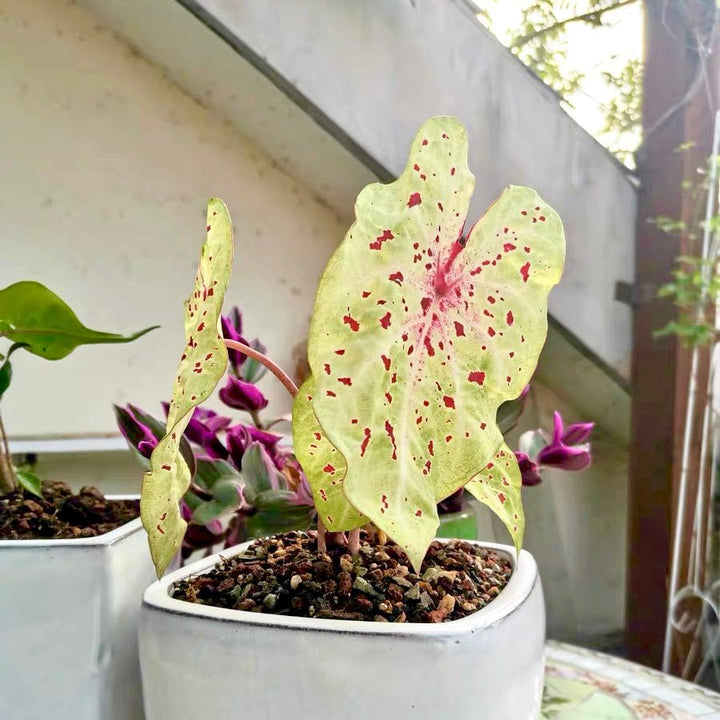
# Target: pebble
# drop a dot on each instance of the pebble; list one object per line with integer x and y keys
{"x": 447, "y": 604}
{"x": 413, "y": 593}
{"x": 295, "y": 582}
{"x": 363, "y": 586}
{"x": 270, "y": 601}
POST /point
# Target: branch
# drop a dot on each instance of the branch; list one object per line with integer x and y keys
{"x": 276, "y": 370}
{"x": 591, "y": 16}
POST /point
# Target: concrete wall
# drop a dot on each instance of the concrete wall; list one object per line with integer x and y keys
{"x": 383, "y": 67}
{"x": 105, "y": 170}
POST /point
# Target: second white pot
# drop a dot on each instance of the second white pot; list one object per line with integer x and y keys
{"x": 68, "y": 626}
{"x": 201, "y": 661}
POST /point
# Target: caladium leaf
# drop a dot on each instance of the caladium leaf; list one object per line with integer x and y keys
{"x": 36, "y": 317}
{"x": 324, "y": 466}
{"x": 419, "y": 335}
{"x": 499, "y": 486}
{"x": 202, "y": 365}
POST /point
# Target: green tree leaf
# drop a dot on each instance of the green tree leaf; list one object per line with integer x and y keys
{"x": 202, "y": 365}
{"x": 5, "y": 377}
{"x": 418, "y": 336}
{"x": 29, "y": 481}
{"x": 324, "y": 466}
{"x": 499, "y": 486}
{"x": 36, "y": 317}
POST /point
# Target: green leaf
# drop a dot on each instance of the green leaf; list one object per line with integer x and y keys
{"x": 29, "y": 481}
{"x": 324, "y": 466}
{"x": 6, "y": 368}
{"x": 276, "y": 513}
{"x": 210, "y": 471}
{"x": 35, "y": 316}
{"x": 5, "y": 377}
{"x": 202, "y": 365}
{"x": 499, "y": 486}
{"x": 208, "y": 511}
{"x": 418, "y": 336}
{"x": 226, "y": 499}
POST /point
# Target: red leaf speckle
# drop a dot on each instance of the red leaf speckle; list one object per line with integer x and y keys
{"x": 477, "y": 377}
{"x": 449, "y": 402}
{"x": 351, "y": 322}
{"x": 366, "y": 440}
{"x": 391, "y": 434}
{"x": 414, "y": 199}
{"x": 510, "y": 319}
{"x": 385, "y": 320}
{"x": 525, "y": 271}
{"x": 378, "y": 242}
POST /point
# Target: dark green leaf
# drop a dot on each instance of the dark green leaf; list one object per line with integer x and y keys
{"x": 33, "y": 315}
{"x": 5, "y": 377}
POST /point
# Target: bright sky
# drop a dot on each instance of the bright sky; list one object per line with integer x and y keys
{"x": 589, "y": 49}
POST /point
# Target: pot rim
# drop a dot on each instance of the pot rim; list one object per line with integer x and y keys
{"x": 524, "y": 578}
{"x": 108, "y": 538}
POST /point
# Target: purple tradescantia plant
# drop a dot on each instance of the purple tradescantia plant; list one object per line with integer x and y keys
{"x": 567, "y": 449}
{"x": 247, "y": 482}
{"x": 242, "y": 395}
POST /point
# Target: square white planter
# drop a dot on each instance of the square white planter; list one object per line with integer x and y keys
{"x": 68, "y": 625}
{"x": 201, "y": 661}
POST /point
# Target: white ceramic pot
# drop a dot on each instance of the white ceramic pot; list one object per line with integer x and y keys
{"x": 201, "y": 661}
{"x": 68, "y": 626}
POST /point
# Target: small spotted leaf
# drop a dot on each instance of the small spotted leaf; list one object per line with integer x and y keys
{"x": 324, "y": 466}
{"x": 419, "y": 334}
{"x": 202, "y": 365}
{"x": 499, "y": 486}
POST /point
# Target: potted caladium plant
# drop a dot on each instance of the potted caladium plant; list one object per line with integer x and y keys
{"x": 73, "y": 565}
{"x": 420, "y": 332}
{"x": 247, "y": 482}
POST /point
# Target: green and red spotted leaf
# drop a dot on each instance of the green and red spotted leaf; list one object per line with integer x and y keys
{"x": 499, "y": 486}
{"x": 202, "y": 365}
{"x": 324, "y": 466}
{"x": 419, "y": 334}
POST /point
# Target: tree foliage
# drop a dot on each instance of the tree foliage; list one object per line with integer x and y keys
{"x": 543, "y": 40}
